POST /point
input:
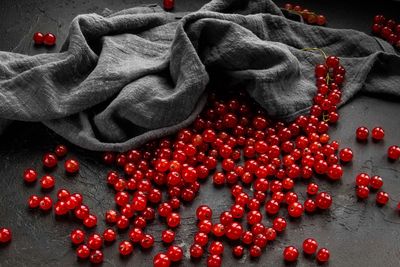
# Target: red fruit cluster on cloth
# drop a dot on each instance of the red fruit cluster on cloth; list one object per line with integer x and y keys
{"x": 308, "y": 16}
{"x": 387, "y": 29}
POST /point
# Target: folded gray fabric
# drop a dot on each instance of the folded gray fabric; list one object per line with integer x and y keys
{"x": 123, "y": 79}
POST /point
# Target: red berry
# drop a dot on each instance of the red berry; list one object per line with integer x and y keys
{"x": 335, "y": 172}
{"x": 279, "y": 224}
{"x": 30, "y": 175}
{"x": 203, "y": 213}
{"x": 295, "y": 209}
{"x": 34, "y": 201}
{"x": 323, "y": 200}
{"x": 394, "y": 152}
{"x": 382, "y": 198}
{"x": 255, "y": 251}
{"x": 216, "y": 248}
{"x": 175, "y": 253}
{"x": 196, "y": 251}
{"x": 161, "y": 260}
{"x": 47, "y": 182}
{"x": 168, "y": 236}
{"x": 109, "y": 235}
{"x": 63, "y": 194}
{"x": 346, "y": 154}
{"x": 376, "y": 182}
{"x": 378, "y": 133}
{"x": 332, "y": 62}
{"x": 238, "y": 251}
{"x": 234, "y": 231}
{"x": 38, "y": 38}
{"x": 49, "y": 39}
{"x": 49, "y": 160}
{"x": 61, "y": 151}
{"x": 312, "y": 189}
{"x": 83, "y": 252}
{"x": 362, "y": 133}
{"x": 95, "y": 241}
{"x": 290, "y": 254}
{"x": 214, "y": 261}
{"x": 71, "y": 166}
{"x": 323, "y": 255}
{"x": 168, "y": 4}
{"x": 46, "y": 203}
{"x": 81, "y": 212}
{"x": 173, "y": 220}
{"x": 60, "y": 208}
{"x": 90, "y": 221}
{"x": 362, "y": 191}
{"x": 147, "y": 241}
{"x": 310, "y": 246}
{"x": 125, "y": 248}
{"x": 96, "y": 256}
{"x": 310, "y": 206}
{"x": 136, "y": 235}
{"x": 5, "y": 235}
{"x": 362, "y": 179}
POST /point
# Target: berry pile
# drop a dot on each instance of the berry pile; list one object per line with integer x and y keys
{"x": 308, "y": 16}
{"x": 387, "y": 29}
{"x": 260, "y": 161}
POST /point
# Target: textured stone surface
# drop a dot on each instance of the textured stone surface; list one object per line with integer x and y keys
{"x": 357, "y": 233}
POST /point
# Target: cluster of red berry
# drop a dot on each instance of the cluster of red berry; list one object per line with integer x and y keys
{"x": 310, "y": 246}
{"x": 308, "y": 16}
{"x": 47, "y": 39}
{"x": 156, "y": 178}
{"x": 387, "y": 29}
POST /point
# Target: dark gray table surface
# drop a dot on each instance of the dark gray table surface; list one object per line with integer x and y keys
{"x": 357, "y": 233}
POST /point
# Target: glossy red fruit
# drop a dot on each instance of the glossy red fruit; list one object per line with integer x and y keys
{"x": 90, "y": 221}
{"x": 30, "y": 175}
{"x": 61, "y": 151}
{"x": 203, "y": 212}
{"x": 47, "y": 182}
{"x": 323, "y": 255}
{"x": 312, "y": 189}
{"x": 5, "y": 235}
{"x": 393, "y": 152}
{"x": 362, "y": 179}
{"x": 255, "y": 251}
{"x": 362, "y": 191}
{"x": 34, "y": 201}
{"x": 332, "y": 62}
{"x": 109, "y": 235}
{"x": 168, "y": 236}
{"x": 335, "y": 172}
{"x": 378, "y": 133}
{"x": 175, "y": 253}
{"x": 346, "y": 154}
{"x": 234, "y": 231}
{"x": 161, "y": 260}
{"x": 310, "y": 246}
{"x": 81, "y": 212}
{"x": 279, "y": 224}
{"x": 323, "y": 200}
{"x": 168, "y": 4}
{"x": 310, "y": 206}
{"x": 196, "y": 251}
{"x": 95, "y": 241}
{"x": 216, "y": 248}
{"x": 71, "y": 166}
{"x": 49, "y": 160}
{"x": 362, "y": 133}
{"x": 214, "y": 261}
{"x": 173, "y": 220}
{"x": 295, "y": 209}
{"x": 125, "y": 248}
{"x": 201, "y": 239}
{"x": 147, "y": 241}
{"x": 46, "y": 203}
{"x": 382, "y": 198}
{"x": 49, "y": 39}
{"x": 290, "y": 254}
{"x": 83, "y": 252}
{"x": 96, "y": 256}
{"x": 38, "y": 38}
{"x": 60, "y": 208}
{"x": 376, "y": 182}
{"x": 238, "y": 251}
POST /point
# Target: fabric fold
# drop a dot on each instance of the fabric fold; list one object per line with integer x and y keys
{"x": 126, "y": 78}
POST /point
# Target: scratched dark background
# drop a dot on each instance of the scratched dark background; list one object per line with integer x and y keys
{"x": 358, "y": 233}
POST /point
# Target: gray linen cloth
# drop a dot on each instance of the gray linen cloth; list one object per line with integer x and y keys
{"x": 123, "y": 79}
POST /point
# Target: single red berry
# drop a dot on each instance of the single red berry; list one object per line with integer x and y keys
{"x": 147, "y": 241}
{"x": 95, "y": 241}
{"x": 60, "y": 208}
{"x": 238, "y": 251}
{"x": 168, "y": 236}
{"x": 173, "y": 220}
{"x": 47, "y": 182}
{"x": 161, "y": 260}
{"x": 214, "y": 261}
{"x": 323, "y": 255}
{"x": 83, "y": 252}
{"x": 5, "y": 235}
{"x": 90, "y": 221}
{"x": 310, "y": 206}
{"x": 362, "y": 179}
{"x": 46, "y": 203}
{"x": 49, "y": 39}
{"x": 109, "y": 235}
{"x": 362, "y": 191}
{"x": 376, "y": 182}
{"x": 49, "y": 160}
{"x": 61, "y": 151}
{"x": 96, "y": 256}
{"x": 34, "y": 201}
{"x": 122, "y": 222}
{"x": 196, "y": 251}
{"x": 168, "y": 4}
{"x": 378, "y": 133}
{"x": 312, "y": 189}
{"x": 136, "y": 235}
{"x": 362, "y": 133}
{"x": 295, "y": 209}
{"x": 346, "y": 154}
{"x": 30, "y": 175}
{"x": 63, "y": 194}
{"x": 175, "y": 253}
{"x": 394, "y": 152}
{"x": 81, "y": 212}
{"x": 125, "y": 248}
{"x": 279, "y": 224}
{"x": 323, "y": 200}
{"x": 234, "y": 231}
{"x": 382, "y": 198}
{"x": 38, "y": 38}
{"x": 310, "y": 246}
{"x": 216, "y": 248}
{"x": 71, "y": 166}
{"x": 203, "y": 212}
{"x": 332, "y": 62}
{"x": 255, "y": 251}
{"x": 201, "y": 238}
{"x": 290, "y": 254}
